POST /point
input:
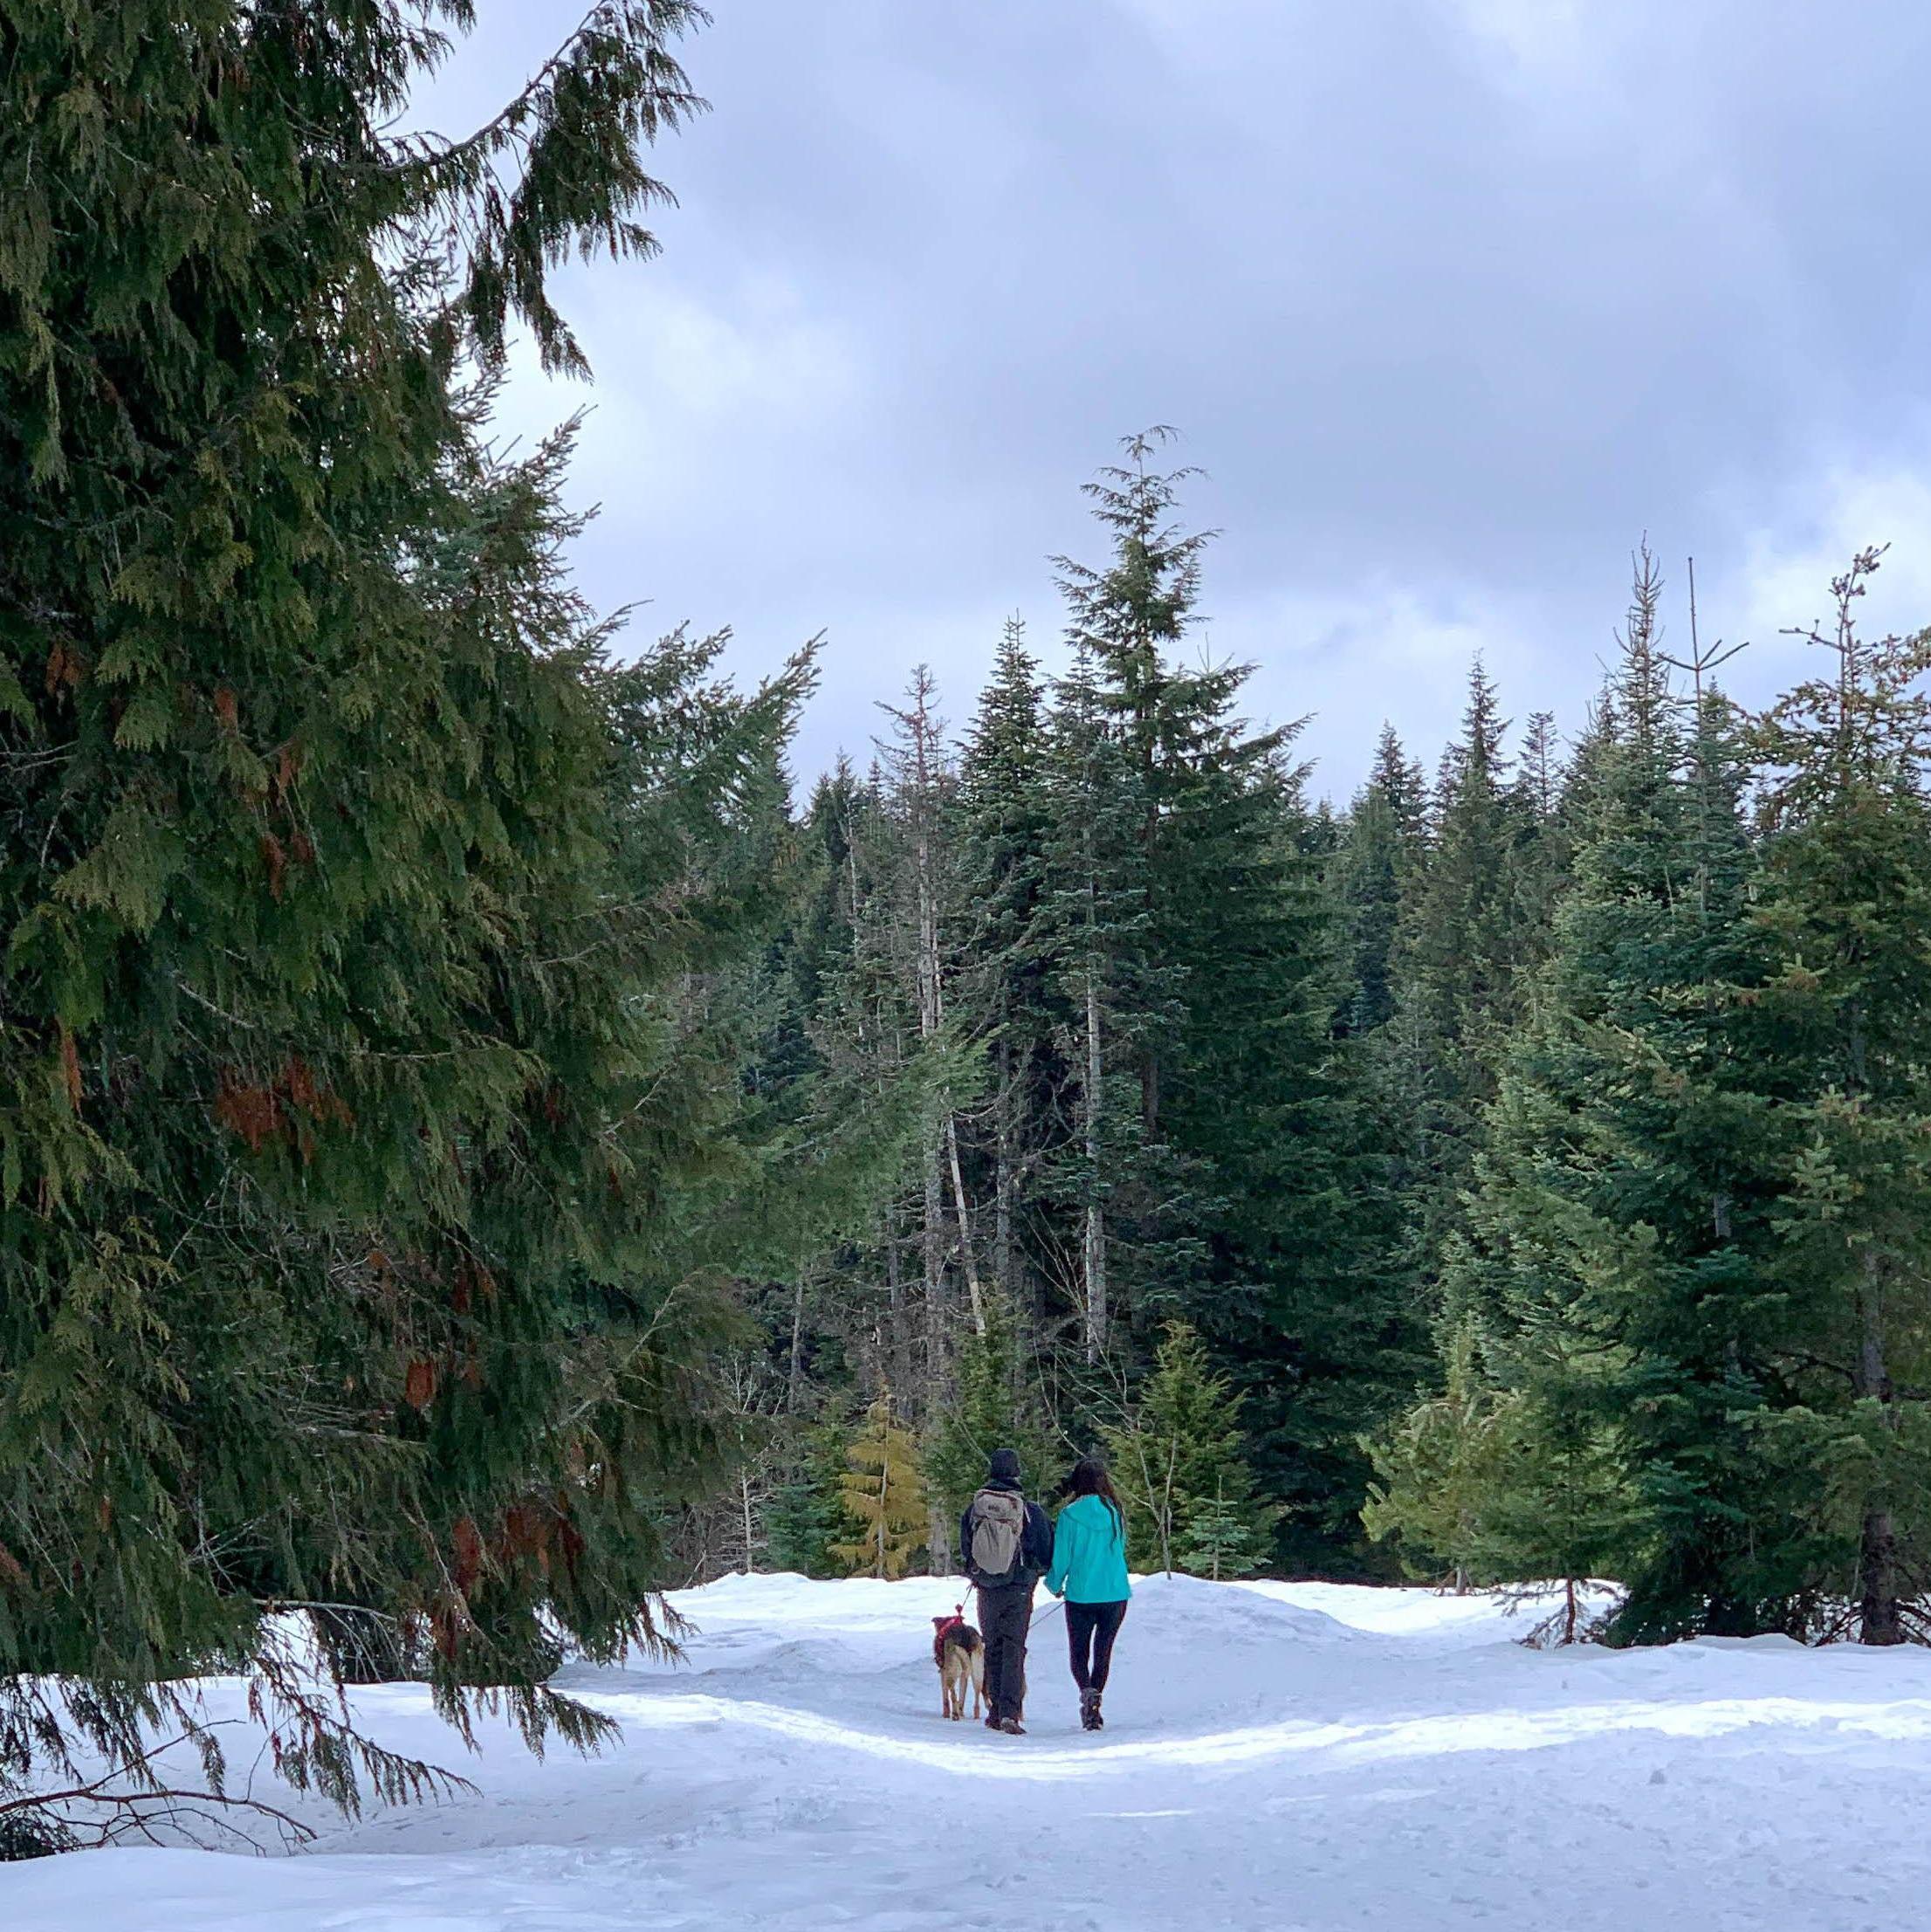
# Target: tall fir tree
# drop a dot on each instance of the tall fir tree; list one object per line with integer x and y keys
{"x": 1619, "y": 1234}
{"x": 1377, "y": 864}
{"x": 1006, "y": 988}
{"x": 1846, "y": 908}
{"x": 1460, "y": 945}
{"x": 368, "y": 1206}
{"x": 1096, "y": 1189}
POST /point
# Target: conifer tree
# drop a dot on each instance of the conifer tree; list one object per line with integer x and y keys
{"x": 1541, "y": 860}
{"x": 1487, "y": 1485}
{"x": 1130, "y": 613}
{"x": 1846, "y": 907}
{"x": 916, "y": 795}
{"x": 1461, "y": 942}
{"x": 882, "y": 1492}
{"x": 1289, "y": 1279}
{"x": 1006, "y": 988}
{"x": 368, "y": 1189}
{"x": 1093, "y": 927}
{"x": 1378, "y": 862}
{"x": 1559, "y": 1500}
{"x": 1435, "y": 1471}
{"x": 1222, "y": 1162}
{"x": 1617, "y": 1250}
{"x": 995, "y": 1404}
{"x": 865, "y": 1031}
{"x": 1221, "y": 1540}
{"x": 1175, "y": 1454}
{"x": 806, "y": 1514}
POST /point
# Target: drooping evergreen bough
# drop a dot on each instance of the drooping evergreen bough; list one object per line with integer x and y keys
{"x": 370, "y": 1163}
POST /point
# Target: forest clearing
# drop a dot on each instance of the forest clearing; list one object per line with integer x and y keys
{"x": 1282, "y": 1756}
{"x": 1234, "y": 980}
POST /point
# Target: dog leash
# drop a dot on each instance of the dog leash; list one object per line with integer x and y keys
{"x": 1037, "y": 1619}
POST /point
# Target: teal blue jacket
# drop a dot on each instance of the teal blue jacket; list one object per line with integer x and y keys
{"x": 1088, "y": 1555}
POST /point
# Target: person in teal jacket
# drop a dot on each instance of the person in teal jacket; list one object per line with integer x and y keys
{"x": 1090, "y": 1572}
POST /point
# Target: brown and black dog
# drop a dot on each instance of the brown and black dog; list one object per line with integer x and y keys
{"x": 960, "y": 1655}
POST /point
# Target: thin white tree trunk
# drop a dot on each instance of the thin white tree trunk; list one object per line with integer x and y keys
{"x": 972, "y": 1293}
{"x": 1095, "y": 1222}
{"x": 1002, "y": 1178}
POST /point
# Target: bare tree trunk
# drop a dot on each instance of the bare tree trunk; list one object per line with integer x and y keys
{"x": 1096, "y": 1223}
{"x": 1150, "y": 1063}
{"x": 898, "y": 1348}
{"x": 976, "y": 1299}
{"x": 938, "y": 1531}
{"x": 1166, "y": 1509}
{"x": 1880, "y": 1614}
{"x": 922, "y": 733}
{"x": 1002, "y": 1177}
{"x": 932, "y": 1236}
{"x": 794, "y": 1376}
{"x": 938, "y": 1539}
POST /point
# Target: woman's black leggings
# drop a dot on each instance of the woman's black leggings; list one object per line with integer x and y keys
{"x": 1090, "y": 1629}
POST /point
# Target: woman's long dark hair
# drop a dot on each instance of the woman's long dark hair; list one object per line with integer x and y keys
{"x": 1089, "y": 1479}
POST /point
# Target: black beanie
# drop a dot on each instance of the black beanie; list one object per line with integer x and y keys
{"x": 1004, "y": 1465}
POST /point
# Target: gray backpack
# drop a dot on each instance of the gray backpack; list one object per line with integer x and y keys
{"x": 999, "y": 1535}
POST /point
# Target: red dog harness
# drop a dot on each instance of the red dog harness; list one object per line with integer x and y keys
{"x": 943, "y": 1628}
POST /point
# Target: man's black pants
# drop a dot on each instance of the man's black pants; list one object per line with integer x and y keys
{"x": 1090, "y": 1629}
{"x": 1004, "y": 1617}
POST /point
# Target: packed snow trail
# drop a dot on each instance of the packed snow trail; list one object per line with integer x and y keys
{"x": 1278, "y": 1756}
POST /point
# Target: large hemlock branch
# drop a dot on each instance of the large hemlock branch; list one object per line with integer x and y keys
{"x": 371, "y": 1168}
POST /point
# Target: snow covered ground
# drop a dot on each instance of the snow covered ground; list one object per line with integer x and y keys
{"x": 1278, "y": 1756}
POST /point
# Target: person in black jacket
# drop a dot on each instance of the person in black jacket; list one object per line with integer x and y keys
{"x": 1000, "y": 1523}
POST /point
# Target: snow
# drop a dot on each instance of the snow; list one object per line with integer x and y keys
{"x": 1297, "y": 1756}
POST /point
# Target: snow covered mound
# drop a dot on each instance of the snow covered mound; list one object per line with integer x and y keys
{"x": 1288, "y": 1756}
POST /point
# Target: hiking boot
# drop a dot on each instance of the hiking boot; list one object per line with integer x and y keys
{"x": 1011, "y": 1726}
{"x": 1089, "y": 1711}
{"x": 992, "y": 1724}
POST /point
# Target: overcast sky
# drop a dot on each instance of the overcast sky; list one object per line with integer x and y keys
{"x": 1453, "y": 300}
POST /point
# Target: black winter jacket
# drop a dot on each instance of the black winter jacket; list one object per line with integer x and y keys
{"x": 1035, "y": 1548}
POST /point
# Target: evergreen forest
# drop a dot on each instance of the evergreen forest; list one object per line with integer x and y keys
{"x": 485, "y": 1140}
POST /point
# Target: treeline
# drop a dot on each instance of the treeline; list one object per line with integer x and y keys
{"x": 1522, "y": 1170}
{"x": 1104, "y": 920}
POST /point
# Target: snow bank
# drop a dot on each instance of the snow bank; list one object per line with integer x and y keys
{"x": 1277, "y": 1755}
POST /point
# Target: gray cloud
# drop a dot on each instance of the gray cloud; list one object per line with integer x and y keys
{"x": 1453, "y": 299}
